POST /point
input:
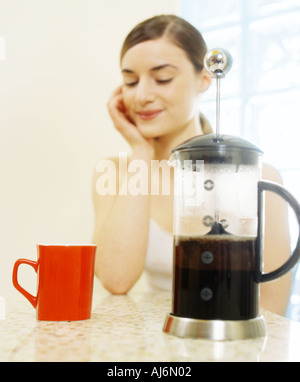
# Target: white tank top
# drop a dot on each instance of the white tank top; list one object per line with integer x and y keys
{"x": 159, "y": 257}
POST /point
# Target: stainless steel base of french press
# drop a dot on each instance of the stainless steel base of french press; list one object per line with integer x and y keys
{"x": 217, "y": 330}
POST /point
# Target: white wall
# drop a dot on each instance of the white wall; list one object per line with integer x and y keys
{"x": 62, "y": 64}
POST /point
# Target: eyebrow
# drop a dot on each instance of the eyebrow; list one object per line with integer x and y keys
{"x": 154, "y": 69}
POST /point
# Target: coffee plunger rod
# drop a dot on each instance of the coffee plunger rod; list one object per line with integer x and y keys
{"x": 218, "y": 63}
{"x": 218, "y": 110}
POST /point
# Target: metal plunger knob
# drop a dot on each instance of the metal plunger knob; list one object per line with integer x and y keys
{"x": 218, "y": 62}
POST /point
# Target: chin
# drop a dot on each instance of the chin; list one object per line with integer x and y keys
{"x": 148, "y": 131}
{"x": 154, "y": 130}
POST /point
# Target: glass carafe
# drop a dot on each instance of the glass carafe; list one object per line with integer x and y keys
{"x": 218, "y": 229}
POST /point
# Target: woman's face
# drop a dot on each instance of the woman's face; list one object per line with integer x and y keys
{"x": 160, "y": 87}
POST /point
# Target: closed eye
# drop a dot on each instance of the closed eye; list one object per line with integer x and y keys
{"x": 163, "y": 82}
{"x": 131, "y": 84}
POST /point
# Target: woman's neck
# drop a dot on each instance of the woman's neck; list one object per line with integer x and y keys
{"x": 164, "y": 145}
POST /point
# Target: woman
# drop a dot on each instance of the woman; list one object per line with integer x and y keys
{"x": 155, "y": 109}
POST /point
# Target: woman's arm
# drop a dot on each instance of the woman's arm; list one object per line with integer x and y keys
{"x": 122, "y": 221}
{"x": 275, "y": 294}
{"x": 121, "y": 234}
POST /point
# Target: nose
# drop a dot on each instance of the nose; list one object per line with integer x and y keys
{"x": 144, "y": 92}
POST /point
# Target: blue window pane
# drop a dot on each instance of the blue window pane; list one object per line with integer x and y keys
{"x": 267, "y": 7}
{"x": 207, "y": 14}
{"x": 274, "y": 120}
{"x": 274, "y": 54}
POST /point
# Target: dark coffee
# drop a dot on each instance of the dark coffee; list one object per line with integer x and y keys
{"x": 214, "y": 277}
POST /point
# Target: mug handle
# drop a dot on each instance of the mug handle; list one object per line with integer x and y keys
{"x": 34, "y": 264}
{"x": 295, "y": 256}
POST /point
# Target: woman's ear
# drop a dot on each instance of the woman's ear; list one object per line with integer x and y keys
{"x": 204, "y": 81}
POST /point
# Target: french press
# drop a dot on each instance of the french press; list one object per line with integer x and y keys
{"x": 218, "y": 232}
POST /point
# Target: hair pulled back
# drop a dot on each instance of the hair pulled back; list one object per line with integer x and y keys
{"x": 176, "y": 29}
{"x": 179, "y": 32}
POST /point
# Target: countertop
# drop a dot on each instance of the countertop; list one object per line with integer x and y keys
{"x": 129, "y": 328}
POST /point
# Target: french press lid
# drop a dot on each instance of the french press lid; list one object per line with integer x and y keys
{"x": 226, "y": 149}
{"x": 217, "y": 148}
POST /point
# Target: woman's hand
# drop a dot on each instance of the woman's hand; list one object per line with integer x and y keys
{"x": 123, "y": 123}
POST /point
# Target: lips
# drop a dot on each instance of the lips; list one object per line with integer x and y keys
{"x": 148, "y": 114}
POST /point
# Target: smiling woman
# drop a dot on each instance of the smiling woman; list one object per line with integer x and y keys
{"x": 156, "y": 109}
{"x": 158, "y": 76}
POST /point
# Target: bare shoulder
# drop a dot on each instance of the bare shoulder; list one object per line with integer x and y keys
{"x": 271, "y": 173}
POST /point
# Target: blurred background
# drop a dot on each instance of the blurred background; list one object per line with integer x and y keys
{"x": 59, "y": 63}
{"x": 62, "y": 64}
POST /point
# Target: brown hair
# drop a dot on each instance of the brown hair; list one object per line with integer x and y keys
{"x": 181, "y": 33}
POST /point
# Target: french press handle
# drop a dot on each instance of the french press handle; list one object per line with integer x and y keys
{"x": 295, "y": 256}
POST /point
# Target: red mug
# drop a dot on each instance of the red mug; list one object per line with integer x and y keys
{"x": 65, "y": 282}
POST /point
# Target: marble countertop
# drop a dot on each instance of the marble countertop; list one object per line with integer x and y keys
{"x": 129, "y": 328}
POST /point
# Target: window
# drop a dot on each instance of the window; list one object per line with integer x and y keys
{"x": 260, "y": 97}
